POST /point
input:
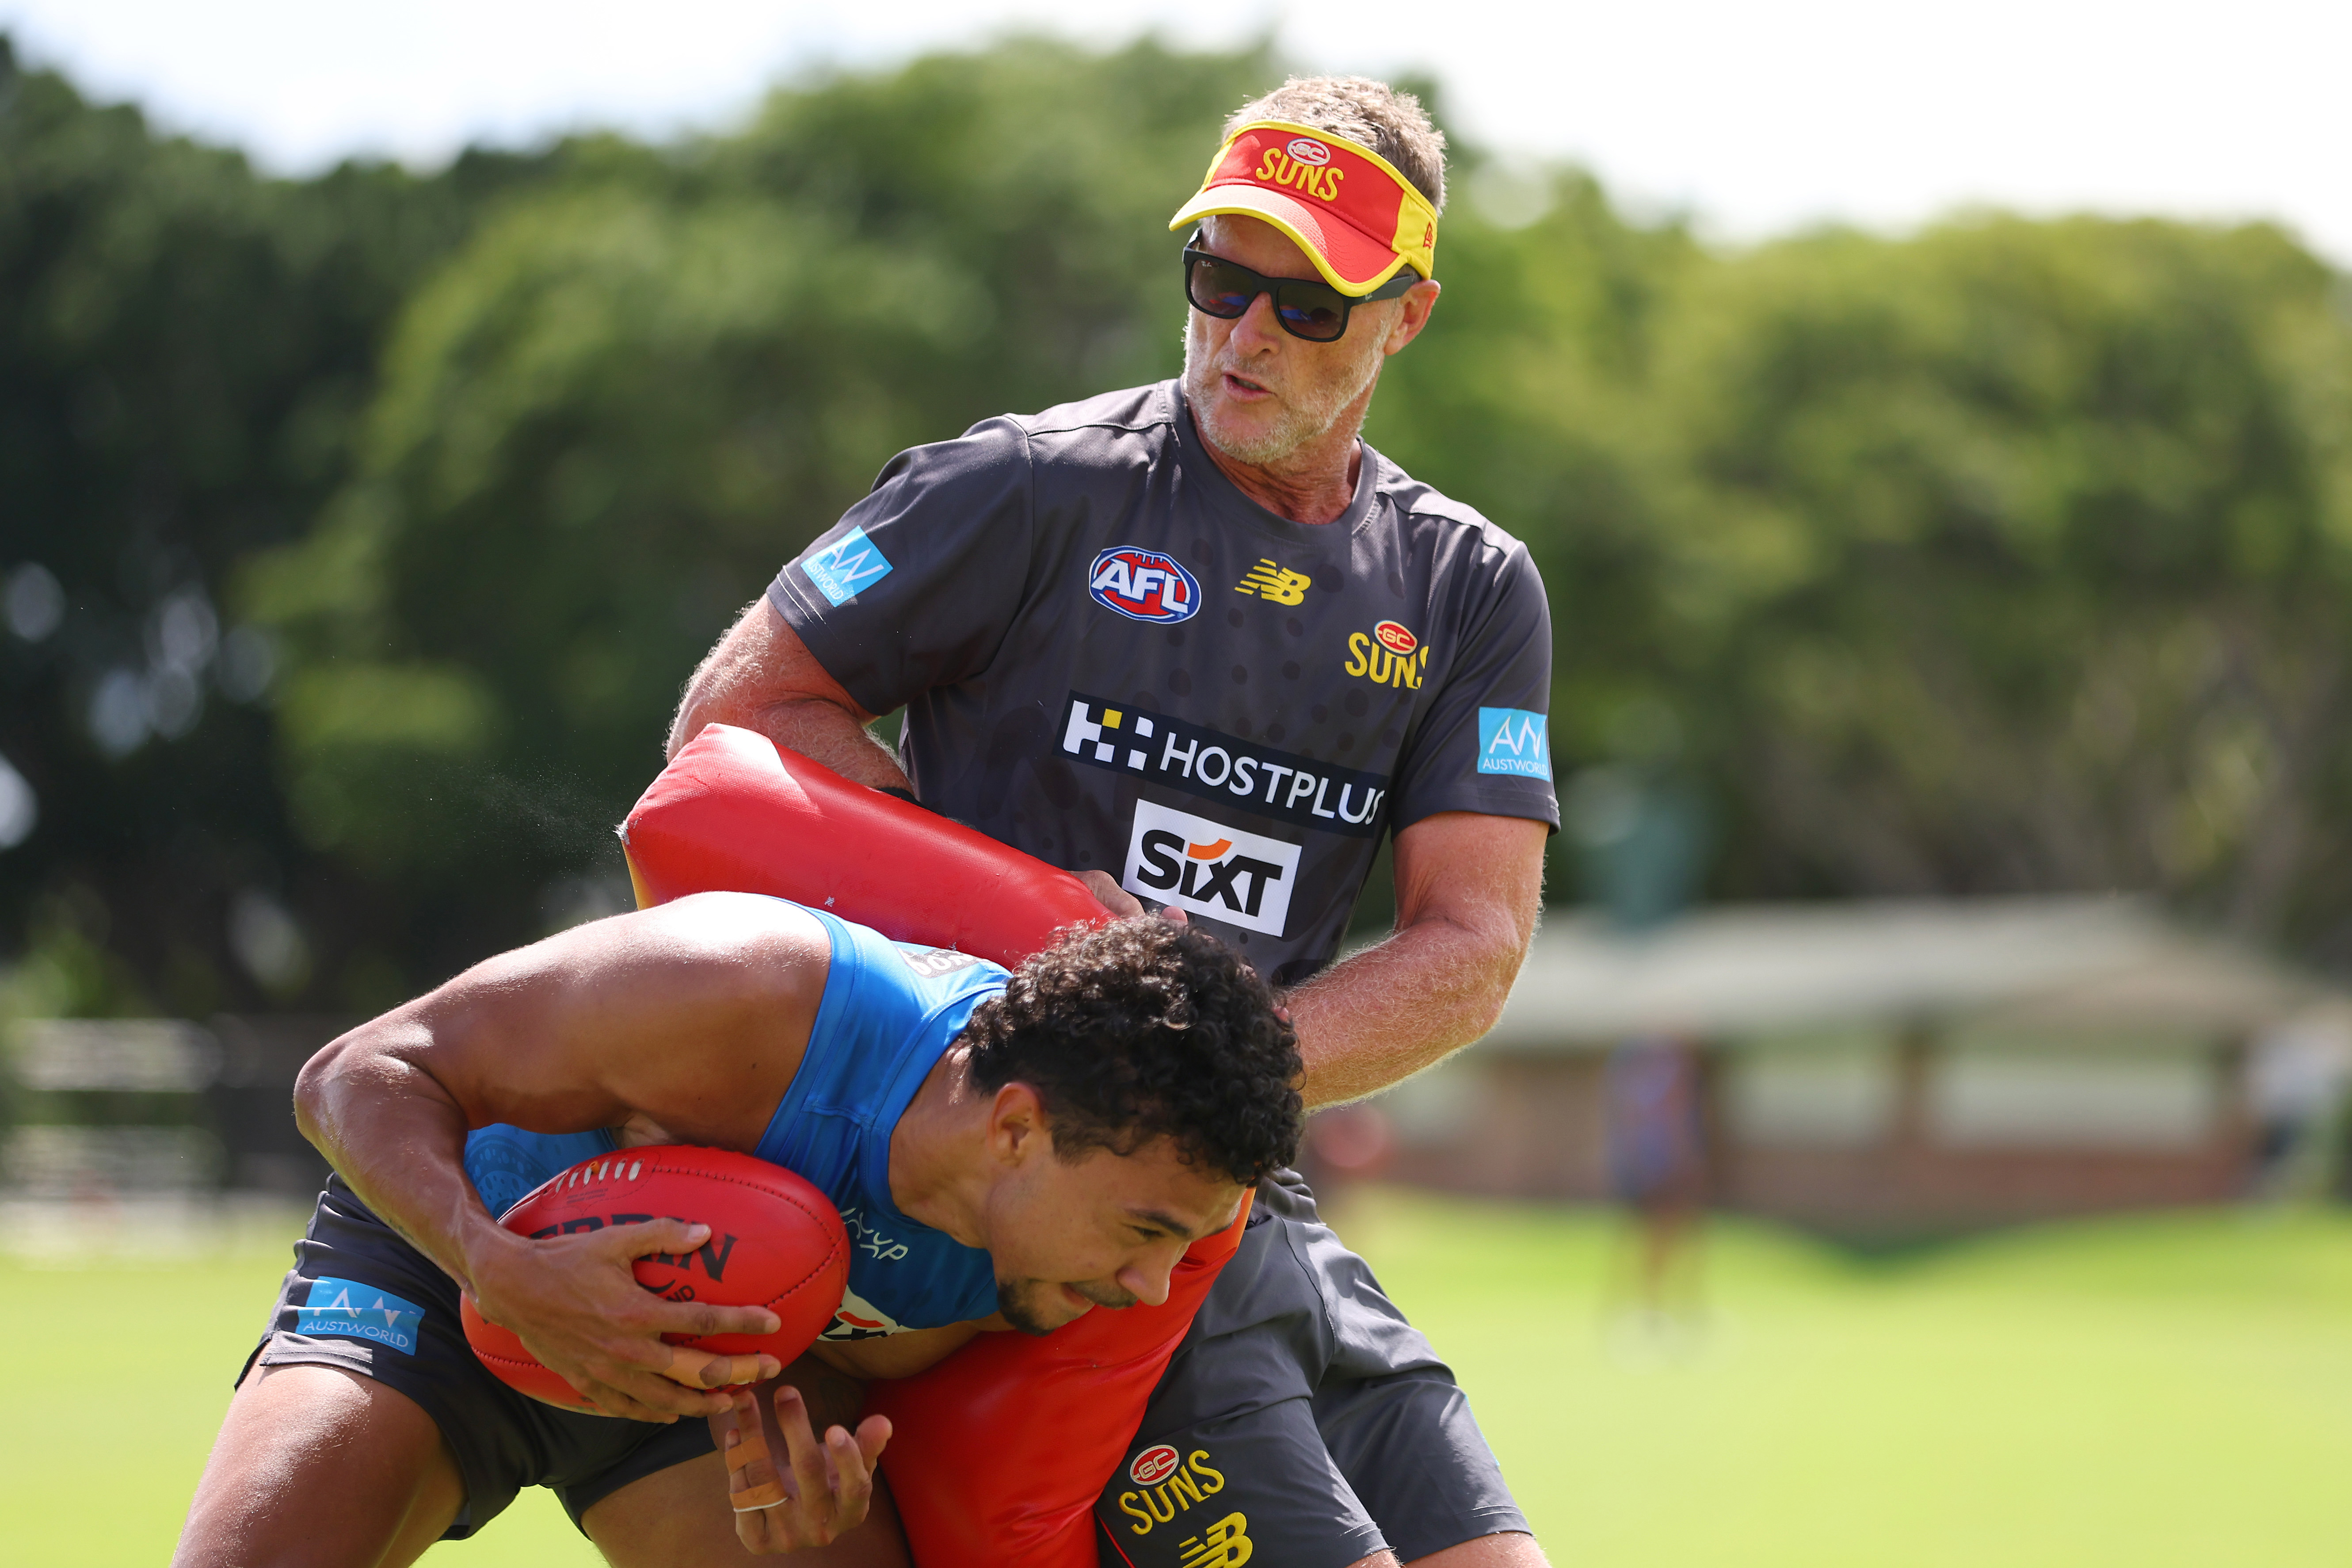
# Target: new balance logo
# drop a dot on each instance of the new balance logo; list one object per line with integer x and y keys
{"x": 1268, "y": 581}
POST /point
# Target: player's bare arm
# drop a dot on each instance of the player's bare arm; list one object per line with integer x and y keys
{"x": 693, "y": 1015}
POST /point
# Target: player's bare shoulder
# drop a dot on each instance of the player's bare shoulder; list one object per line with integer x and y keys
{"x": 761, "y": 952}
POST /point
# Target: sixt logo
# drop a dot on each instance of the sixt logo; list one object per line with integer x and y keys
{"x": 1216, "y": 766}
{"x": 1207, "y": 869}
{"x": 847, "y": 567}
{"x": 1170, "y": 1486}
{"x": 1143, "y": 584}
{"x": 1268, "y": 581}
{"x": 1307, "y": 174}
{"x": 1512, "y": 741}
{"x": 1391, "y": 655}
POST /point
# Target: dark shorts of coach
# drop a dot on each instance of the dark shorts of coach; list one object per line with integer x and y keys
{"x": 1302, "y": 1422}
{"x": 363, "y": 1300}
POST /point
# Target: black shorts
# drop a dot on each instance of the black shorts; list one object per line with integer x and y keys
{"x": 1302, "y": 1422}
{"x": 362, "y": 1299}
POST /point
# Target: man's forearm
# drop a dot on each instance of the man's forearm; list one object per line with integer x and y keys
{"x": 1391, "y": 1010}
{"x": 813, "y": 727}
{"x": 398, "y": 1140}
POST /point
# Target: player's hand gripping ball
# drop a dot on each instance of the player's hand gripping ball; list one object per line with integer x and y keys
{"x": 775, "y": 1242}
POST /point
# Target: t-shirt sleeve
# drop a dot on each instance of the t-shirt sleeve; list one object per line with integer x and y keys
{"x": 917, "y": 584}
{"x": 1485, "y": 744}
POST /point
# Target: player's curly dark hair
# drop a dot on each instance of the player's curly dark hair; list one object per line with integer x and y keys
{"x": 1141, "y": 1030}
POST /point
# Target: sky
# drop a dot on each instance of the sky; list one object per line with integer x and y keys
{"x": 1756, "y": 120}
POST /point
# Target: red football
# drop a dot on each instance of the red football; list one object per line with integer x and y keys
{"x": 775, "y": 1242}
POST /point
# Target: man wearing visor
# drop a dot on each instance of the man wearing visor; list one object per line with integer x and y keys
{"x": 1200, "y": 644}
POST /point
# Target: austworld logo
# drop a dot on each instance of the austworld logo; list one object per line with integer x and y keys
{"x": 1143, "y": 584}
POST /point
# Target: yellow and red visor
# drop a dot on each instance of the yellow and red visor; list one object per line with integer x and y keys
{"x": 1341, "y": 202}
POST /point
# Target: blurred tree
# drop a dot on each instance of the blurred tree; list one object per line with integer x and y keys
{"x": 184, "y": 350}
{"x": 611, "y": 418}
{"x": 2020, "y": 552}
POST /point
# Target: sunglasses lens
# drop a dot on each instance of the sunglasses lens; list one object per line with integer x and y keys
{"x": 1221, "y": 289}
{"x": 1312, "y": 311}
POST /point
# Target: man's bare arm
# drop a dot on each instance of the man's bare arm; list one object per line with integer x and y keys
{"x": 762, "y": 676}
{"x": 694, "y": 1015}
{"x": 1469, "y": 888}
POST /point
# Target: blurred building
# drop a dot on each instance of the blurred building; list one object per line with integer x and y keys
{"x": 1882, "y": 1067}
{"x": 156, "y": 1108}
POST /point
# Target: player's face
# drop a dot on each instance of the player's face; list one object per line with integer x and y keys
{"x": 1258, "y": 394}
{"x": 1103, "y": 1230}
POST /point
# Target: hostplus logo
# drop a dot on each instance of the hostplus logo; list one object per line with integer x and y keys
{"x": 1214, "y": 765}
{"x": 1143, "y": 584}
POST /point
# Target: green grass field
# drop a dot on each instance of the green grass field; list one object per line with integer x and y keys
{"x": 2174, "y": 1390}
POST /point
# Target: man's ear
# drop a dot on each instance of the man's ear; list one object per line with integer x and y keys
{"x": 1418, "y": 302}
{"x": 1016, "y": 1125}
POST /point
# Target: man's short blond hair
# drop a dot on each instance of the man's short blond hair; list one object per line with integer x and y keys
{"x": 1370, "y": 114}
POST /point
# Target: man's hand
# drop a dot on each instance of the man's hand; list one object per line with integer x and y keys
{"x": 819, "y": 1493}
{"x": 1118, "y": 901}
{"x": 575, "y": 1303}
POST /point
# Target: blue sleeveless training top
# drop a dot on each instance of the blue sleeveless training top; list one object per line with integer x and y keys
{"x": 889, "y": 1011}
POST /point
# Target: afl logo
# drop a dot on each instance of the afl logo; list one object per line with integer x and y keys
{"x": 1306, "y": 152}
{"x": 1143, "y": 584}
{"x": 1152, "y": 1466}
{"x": 1395, "y": 639}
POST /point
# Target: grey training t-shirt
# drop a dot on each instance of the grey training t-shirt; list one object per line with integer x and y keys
{"x": 1112, "y": 658}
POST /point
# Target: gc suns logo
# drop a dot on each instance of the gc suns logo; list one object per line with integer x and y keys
{"x": 1143, "y": 584}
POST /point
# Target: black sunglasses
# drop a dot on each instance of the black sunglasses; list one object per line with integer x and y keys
{"x": 1306, "y": 306}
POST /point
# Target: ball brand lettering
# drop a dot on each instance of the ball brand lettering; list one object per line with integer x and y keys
{"x": 1288, "y": 170}
{"x": 1173, "y": 1489}
{"x": 712, "y": 1254}
{"x": 1143, "y": 584}
{"x": 1214, "y": 765}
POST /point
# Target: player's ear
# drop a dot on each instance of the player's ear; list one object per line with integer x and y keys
{"x": 1016, "y": 1124}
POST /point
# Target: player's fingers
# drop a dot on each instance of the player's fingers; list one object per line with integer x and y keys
{"x": 707, "y": 1368}
{"x": 802, "y": 1451}
{"x": 853, "y": 1479}
{"x": 650, "y": 1395}
{"x": 873, "y": 1433}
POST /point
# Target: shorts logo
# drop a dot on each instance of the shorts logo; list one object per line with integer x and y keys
{"x": 1214, "y": 765}
{"x": 1207, "y": 869}
{"x": 349, "y": 1309}
{"x": 1170, "y": 1486}
{"x": 1513, "y": 741}
{"x": 1268, "y": 581}
{"x": 1153, "y": 1465}
{"x": 1390, "y": 655}
{"x": 847, "y": 567}
{"x": 1143, "y": 584}
{"x": 1224, "y": 1544}
{"x": 1309, "y": 151}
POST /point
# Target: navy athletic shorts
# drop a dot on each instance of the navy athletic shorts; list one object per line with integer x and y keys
{"x": 1302, "y": 1422}
{"x": 362, "y": 1299}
